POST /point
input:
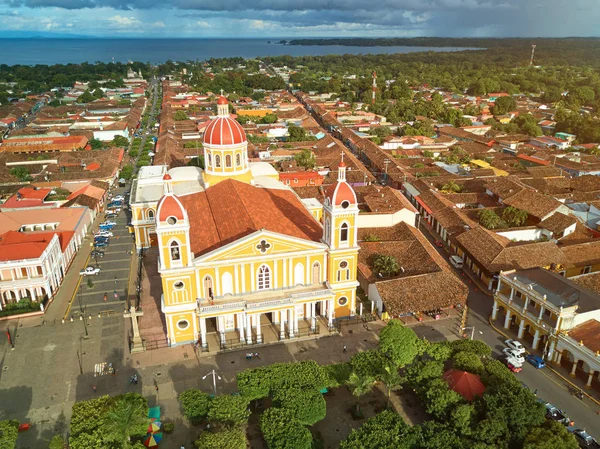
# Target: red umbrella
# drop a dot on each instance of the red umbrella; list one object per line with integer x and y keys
{"x": 468, "y": 385}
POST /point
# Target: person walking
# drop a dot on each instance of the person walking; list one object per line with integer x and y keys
{"x": 115, "y": 279}
{"x": 94, "y": 388}
{"x": 105, "y": 296}
{"x": 345, "y": 349}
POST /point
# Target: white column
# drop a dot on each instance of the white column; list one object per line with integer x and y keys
{"x": 249, "y": 329}
{"x": 295, "y": 320}
{"x": 521, "y": 328}
{"x": 541, "y": 313}
{"x": 241, "y": 324}
{"x": 323, "y": 308}
{"x": 330, "y": 313}
{"x": 495, "y": 310}
{"x": 575, "y": 362}
{"x": 282, "y": 320}
{"x": 203, "y": 333}
{"x": 221, "y": 329}
{"x": 258, "y": 334}
{"x": 550, "y": 351}
{"x": 507, "y": 320}
{"x": 590, "y": 377}
{"x": 526, "y": 303}
{"x": 313, "y": 318}
{"x": 536, "y": 339}
{"x": 291, "y": 313}
{"x": 558, "y": 358}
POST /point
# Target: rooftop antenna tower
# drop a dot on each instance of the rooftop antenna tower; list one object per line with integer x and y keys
{"x": 374, "y": 87}
{"x": 532, "y": 52}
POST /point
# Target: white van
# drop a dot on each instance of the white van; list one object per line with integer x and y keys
{"x": 456, "y": 261}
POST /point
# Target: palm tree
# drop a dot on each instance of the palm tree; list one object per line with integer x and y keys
{"x": 452, "y": 186}
{"x": 514, "y": 216}
{"x": 386, "y": 265}
{"x": 391, "y": 379}
{"x": 488, "y": 218}
{"x": 126, "y": 418}
{"x": 360, "y": 385}
{"x": 595, "y": 151}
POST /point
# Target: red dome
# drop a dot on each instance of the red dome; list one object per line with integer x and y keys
{"x": 167, "y": 177}
{"x": 340, "y": 192}
{"x": 222, "y": 100}
{"x": 170, "y": 206}
{"x": 224, "y": 131}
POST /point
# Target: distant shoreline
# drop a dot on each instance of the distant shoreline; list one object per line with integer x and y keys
{"x": 430, "y": 41}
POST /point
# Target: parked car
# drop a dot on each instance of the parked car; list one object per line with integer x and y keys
{"x": 439, "y": 244}
{"x": 514, "y": 344}
{"x": 103, "y": 233}
{"x": 535, "y": 360}
{"x": 118, "y": 198}
{"x": 110, "y": 216}
{"x": 511, "y": 353}
{"x": 106, "y": 227}
{"x": 90, "y": 271}
{"x": 108, "y": 223}
{"x": 101, "y": 239}
{"x": 513, "y": 365}
{"x": 556, "y": 414}
{"x": 100, "y": 244}
{"x": 97, "y": 253}
{"x": 114, "y": 211}
{"x": 114, "y": 204}
{"x": 456, "y": 261}
{"x": 585, "y": 440}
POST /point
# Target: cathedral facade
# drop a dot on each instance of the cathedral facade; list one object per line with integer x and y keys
{"x": 241, "y": 251}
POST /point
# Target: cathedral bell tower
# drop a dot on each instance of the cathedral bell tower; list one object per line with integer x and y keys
{"x": 340, "y": 213}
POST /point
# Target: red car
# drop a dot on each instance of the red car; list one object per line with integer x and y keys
{"x": 439, "y": 244}
{"x": 513, "y": 368}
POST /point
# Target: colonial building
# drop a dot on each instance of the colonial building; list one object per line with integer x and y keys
{"x": 240, "y": 251}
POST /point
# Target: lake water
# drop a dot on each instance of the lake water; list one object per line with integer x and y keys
{"x": 62, "y": 51}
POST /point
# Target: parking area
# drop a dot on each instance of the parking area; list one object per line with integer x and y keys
{"x": 106, "y": 291}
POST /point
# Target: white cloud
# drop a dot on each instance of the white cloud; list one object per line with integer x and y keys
{"x": 203, "y": 24}
{"x": 158, "y": 24}
{"x": 122, "y": 22}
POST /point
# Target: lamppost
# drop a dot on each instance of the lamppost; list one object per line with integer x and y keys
{"x": 82, "y": 314}
{"x": 215, "y": 376}
{"x": 472, "y": 331}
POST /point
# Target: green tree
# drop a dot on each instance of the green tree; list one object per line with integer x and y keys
{"x": 474, "y": 346}
{"x": 268, "y": 119}
{"x": 502, "y": 105}
{"x": 120, "y": 141}
{"x": 386, "y": 430}
{"x": 227, "y": 438}
{"x": 57, "y": 442}
{"x": 21, "y": 173}
{"x": 360, "y": 385}
{"x": 282, "y": 430}
{"x": 386, "y": 265}
{"x": 399, "y": 343}
{"x": 440, "y": 399}
{"x": 392, "y": 380}
{"x": 85, "y": 97}
{"x": 488, "y": 218}
{"x": 195, "y": 404}
{"x": 306, "y": 159}
{"x": 550, "y": 435}
{"x": 197, "y": 161}
{"x": 126, "y": 171}
{"x": 96, "y": 144}
{"x": 452, "y": 187}
{"x": 309, "y": 406}
{"x": 180, "y": 115}
{"x": 9, "y": 431}
{"x": 258, "y": 96}
{"x": 127, "y": 418}
{"x": 514, "y": 216}
{"x": 229, "y": 409}
{"x": 297, "y": 134}
{"x": 468, "y": 361}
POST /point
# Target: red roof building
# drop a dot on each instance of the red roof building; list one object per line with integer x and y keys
{"x": 301, "y": 178}
{"x": 224, "y": 130}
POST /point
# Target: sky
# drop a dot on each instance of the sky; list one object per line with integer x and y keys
{"x": 300, "y": 18}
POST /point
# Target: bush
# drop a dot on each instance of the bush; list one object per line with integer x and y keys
{"x": 195, "y": 405}
{"x": 57, "y": 442}
{"x": 9, "y": 431}
{"x": 282, "y": 430}
{"x": 380, "y": 431}
{"x": 474, "y": 346}
{"x": 338, "y": 374}
{"x": 168, "y": 427}
{"x": 308, "y": 406}
{"x": 468, "y": 361}
{"x": 233, "y": 438}
{"x": 229, "y": 409}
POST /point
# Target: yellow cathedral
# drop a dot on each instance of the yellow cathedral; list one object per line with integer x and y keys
{"x": 241, "y": 257}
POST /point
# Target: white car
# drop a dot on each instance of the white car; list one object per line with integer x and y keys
{"x": 89, "y": 271}
{"x": 514, "y": 344}
{"x": 109, "y": 223}
{"x": 118, "y": 198}
{"x": 103, "y": 234}
{"x": 512, "y": 354}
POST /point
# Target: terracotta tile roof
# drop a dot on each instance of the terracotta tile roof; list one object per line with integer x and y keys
{"x": 557, "y": 223}
{"x": 494, "y": 252}
{"x": 19, "y": 245}
{"x": 536, "y": 204}
{"x": 582, "y": 254}
{"x": 590, "y": 281}
{"x": 589, "y": 333}
{"x": 231, "y": 210}
{"x": 504, "y": 186}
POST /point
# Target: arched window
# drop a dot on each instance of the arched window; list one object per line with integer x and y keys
{"x": 150, "y": 214}
{"x": 226, "y": 284}
{"x": 299, "y": 274}
{"x": 208, "y": 287}
{"x": 217, "y": 161}
{"x": 344, "y": 233}
{"x": 209, "y": 160}
{"x": 228, "y": 160}
{"x": 316, "y": 273}
{"x": 264, "y": 278}
{"x": 327, "y": 230}
{"x": 238, "y": 160}
{"x": 343, "y": 273}
{"x": 175, "y": 253}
